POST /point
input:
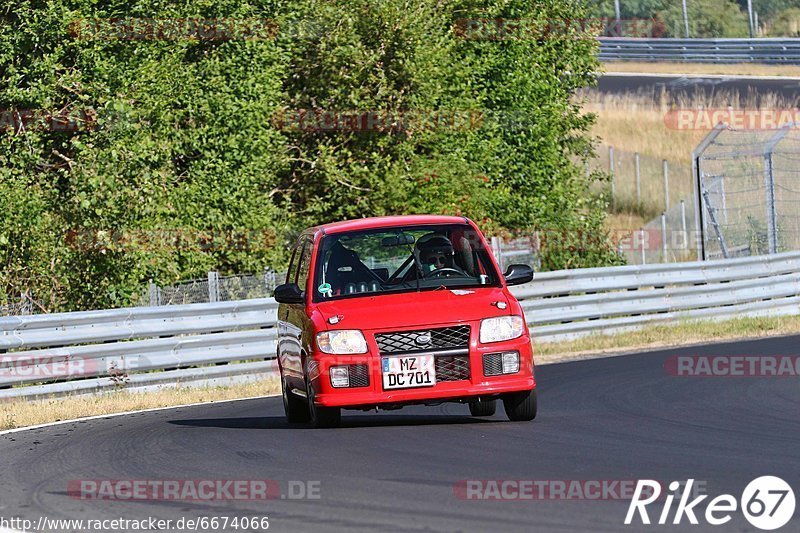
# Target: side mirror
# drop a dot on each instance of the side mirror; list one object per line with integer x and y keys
{"x": 289, "y": 293}
{"x": 518, "y": 274}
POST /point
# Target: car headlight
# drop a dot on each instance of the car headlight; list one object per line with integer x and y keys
{"x": 501, "y": 328}
{"x": 343, "y": 341}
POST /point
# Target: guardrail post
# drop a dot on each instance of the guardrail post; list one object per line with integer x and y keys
{"x": 213, "y": 286}
{"x": 666, "y": 184}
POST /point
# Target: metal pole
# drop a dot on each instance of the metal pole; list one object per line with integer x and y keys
{"x": 618, "y": 17}
{"x": 496, "y": 251}
{"x": 772, "y": 226}
{"x": 213, "y": 287}
{"x": 638, "y": 179}
{"x": 750, "y": 16}
{"x": 683, "y": 225}
{"x": 666, "y": 185}
{"x": 686, "y": 19}
{"x": 641, "y": 245}
{"x": 664, "y": 238}
{"x": 611, "y": 171}
{"x": 153, "y": 293}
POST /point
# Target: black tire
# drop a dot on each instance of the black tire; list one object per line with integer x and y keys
{"x": 323, "y": 417}
{"x": 484, "y": 408}
{"x": 520, "y": 406}
{"x": 296, "y": 408}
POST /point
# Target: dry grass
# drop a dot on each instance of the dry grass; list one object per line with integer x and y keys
{"x": 743, "y": 69}
{"x": 682, "y": 334}
{"x": 635, "y": 122}
{"x": 623, "y": 222}
{"x": 22, "y": 413}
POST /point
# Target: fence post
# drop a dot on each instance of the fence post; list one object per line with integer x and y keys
{"x": 666, "y": 185}
{"x": 611, "y": 171}
{"x": 641, "y": 245}
{"x": 683, "y": 225}
{"x": 638, "y": 179}
{"x": 154, "y": 293}
{"x": 772, "y": 226}
{"x": 27, "y": 303}
{"x": 213, "y": 286}
{"x": 497, "y": 251}
{"x": 270, "y": 280}
{"x": 664, "y": 238}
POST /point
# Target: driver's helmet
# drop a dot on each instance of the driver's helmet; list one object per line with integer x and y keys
{"x": 434, "y": 251}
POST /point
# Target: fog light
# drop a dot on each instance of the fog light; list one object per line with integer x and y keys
{"x": 340, "y": 376}
{"x": 510, "y": 362}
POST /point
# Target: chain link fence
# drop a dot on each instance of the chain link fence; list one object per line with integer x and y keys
{"x": 749, "y": 191}
{"x": 214, "y": 288}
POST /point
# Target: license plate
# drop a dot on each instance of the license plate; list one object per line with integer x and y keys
{"x": 408, "y": 371}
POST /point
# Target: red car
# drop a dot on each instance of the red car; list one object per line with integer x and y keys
{"x": 391, "y": 311}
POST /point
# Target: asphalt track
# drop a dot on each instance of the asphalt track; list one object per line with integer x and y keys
{"x": 619, "y": 418}
{"x": 686, "y": 86}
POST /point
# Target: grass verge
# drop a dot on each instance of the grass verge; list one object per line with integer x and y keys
{"x": 22, "y": 413}
{"x": 666, "y": 336}
{"x": 740, "y": 69}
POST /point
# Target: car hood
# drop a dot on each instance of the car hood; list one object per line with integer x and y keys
{"x": 424, "y": 308}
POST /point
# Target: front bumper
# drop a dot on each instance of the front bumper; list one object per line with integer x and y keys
{"x": 374, "y": 394}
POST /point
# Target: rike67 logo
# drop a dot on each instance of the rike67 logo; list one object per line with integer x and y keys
{"x": 767, "y": 503}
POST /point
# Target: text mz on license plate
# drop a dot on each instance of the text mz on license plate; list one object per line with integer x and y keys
{"x": 408, "y": 371}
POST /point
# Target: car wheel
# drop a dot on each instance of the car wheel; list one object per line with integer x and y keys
{"x": 295, "y": 408}
{"x": 323, "y": 417}
{"x": 484, "y": 408}
{"x": 520, "y": 406}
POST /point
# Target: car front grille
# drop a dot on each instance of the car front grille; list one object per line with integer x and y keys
{"x": 359, "y": 375}
{"x": 493, "y": 364}
{"x": 452, "y": 367}
{"x": 399, "y": 342}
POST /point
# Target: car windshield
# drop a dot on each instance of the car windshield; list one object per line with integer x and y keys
{"x": 402, "y": 259}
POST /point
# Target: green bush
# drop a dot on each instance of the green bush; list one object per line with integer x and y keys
{"x": 184, "y": 142}
{"x": 785, "y": 24}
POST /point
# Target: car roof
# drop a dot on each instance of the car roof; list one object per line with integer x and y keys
{"x": 386, "y": 222}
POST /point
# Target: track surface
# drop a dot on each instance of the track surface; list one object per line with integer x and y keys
{"x": 676, "y": 86}
{"x": 617, "y": 418}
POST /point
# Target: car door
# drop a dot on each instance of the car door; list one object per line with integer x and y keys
{"x": 286, "y": 347}
{"x": 292, "y": 318}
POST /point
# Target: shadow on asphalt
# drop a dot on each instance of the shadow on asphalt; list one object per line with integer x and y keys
{"x": 279, "y": 422}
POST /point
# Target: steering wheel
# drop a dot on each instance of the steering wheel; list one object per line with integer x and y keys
{"x": 444, "y": 270}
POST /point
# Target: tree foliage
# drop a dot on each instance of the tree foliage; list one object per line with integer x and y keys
{"x": 184, "y": 164}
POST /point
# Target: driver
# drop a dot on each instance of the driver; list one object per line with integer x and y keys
{"x": 435, "y": 252}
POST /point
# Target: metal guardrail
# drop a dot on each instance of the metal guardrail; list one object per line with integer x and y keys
{"x": 234, "y": 341}
{"x": 766, "y": 50}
